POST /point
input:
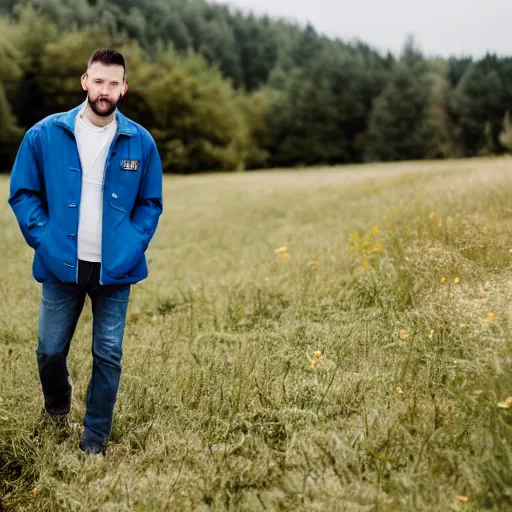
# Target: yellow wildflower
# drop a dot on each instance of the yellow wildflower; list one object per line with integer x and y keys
{"x": 443, "y": 280}
{"x": 313, "y": 265}
{"x": 318, "y": 354}
{"x": 403, "y": 334}
{"x": 377, "y": 247}
{"x": 439, "y": 223}
{"x": 314, "y": 362}
{"x": 491, "y": 317}
{"x": 431, "y": 333}
{"x": 364, "y": 267}
{"x": 463, "y": 499}
{"x": 33, "y": 491}
{"x": 374, "y": 230}
{"x": 354, "y": 238}
{"x": 457, "y": 280}
{"x": 399, "y": 389}
{"x": 432, "y": 215}
{"x": 283, "y": 252}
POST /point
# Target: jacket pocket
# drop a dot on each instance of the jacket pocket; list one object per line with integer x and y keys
{"x": 58, "y": 253}
{"x": 44, "y": 234}
{"x": 46, "y": 250}
{"x": 125, "y": 249}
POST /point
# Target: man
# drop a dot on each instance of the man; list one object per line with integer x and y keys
{"x": 86, "y": 189}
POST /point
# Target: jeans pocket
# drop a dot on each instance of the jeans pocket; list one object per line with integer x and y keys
{"x": 57, "y": 295}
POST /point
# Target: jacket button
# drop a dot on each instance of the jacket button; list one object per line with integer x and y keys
{"x": 71, "y": 205}
{"x": 114, "y": 195}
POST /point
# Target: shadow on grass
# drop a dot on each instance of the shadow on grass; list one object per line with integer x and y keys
{"x": 19, "y": 467}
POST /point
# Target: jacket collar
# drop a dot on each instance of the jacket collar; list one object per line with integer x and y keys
{"x": 124, "y": 125}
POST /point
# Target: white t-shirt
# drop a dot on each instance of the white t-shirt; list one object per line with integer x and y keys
{"x": 93, "y": 147}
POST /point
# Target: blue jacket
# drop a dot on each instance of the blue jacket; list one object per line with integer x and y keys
{"x": 45, "y": 191}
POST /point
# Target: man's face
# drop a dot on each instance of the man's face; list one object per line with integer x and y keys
{"x": 105, "y": 86}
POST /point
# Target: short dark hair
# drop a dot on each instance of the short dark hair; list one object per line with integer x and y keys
{"x": 108, "y": 57}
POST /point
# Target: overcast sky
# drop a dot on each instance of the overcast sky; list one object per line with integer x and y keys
{"x": 441, "y": 27}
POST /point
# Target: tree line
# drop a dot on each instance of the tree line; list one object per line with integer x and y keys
{"x": 222, "y": 90}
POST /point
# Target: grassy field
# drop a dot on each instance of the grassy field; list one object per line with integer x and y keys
{"x": 318, "y": 340}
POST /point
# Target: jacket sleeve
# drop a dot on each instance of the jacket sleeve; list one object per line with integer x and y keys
{"x": 148, "y": 205}
{"x": 27, "y": 192}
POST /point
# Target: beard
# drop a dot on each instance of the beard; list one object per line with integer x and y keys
{"x": 103, "y": 107}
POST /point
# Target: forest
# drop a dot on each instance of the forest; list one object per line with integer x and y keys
{"x": 221, "y": 90}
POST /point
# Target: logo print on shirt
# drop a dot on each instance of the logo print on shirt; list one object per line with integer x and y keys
{"x": 130, "y": 165}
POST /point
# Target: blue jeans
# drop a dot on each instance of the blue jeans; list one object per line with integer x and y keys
{"x": 61, "y": 306}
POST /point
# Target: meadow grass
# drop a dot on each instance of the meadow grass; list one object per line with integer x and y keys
{"x": 397, "y": 276}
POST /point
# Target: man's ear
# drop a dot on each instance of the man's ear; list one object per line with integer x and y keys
{"x": 83, "y": 81}
{"x": 125, "y": 89}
